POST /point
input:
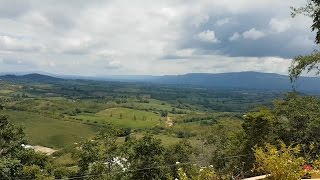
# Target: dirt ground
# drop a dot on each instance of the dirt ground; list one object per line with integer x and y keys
{"x": 169, "y": 122}
{"x": 42, "y": 149}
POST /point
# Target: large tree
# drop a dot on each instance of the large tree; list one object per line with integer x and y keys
{"x": 147, "y": 160}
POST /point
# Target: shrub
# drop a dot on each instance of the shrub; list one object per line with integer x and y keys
{"x": 281, "y": 163}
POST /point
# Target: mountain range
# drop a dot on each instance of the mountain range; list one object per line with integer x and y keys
{"x": 239, "y": 80}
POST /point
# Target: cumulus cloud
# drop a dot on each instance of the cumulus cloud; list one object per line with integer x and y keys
{"x": 253, "y": 34}
{"x": 234, "y": 37}
{"x": 223, "y": 21}
{"x": 280, "y": 25}
{"x": 208, "y": 36}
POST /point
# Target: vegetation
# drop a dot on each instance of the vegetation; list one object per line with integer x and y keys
{"x": 307, "y": 62}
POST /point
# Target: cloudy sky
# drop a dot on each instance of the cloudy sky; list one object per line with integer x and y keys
{"x": 147, "y": 37}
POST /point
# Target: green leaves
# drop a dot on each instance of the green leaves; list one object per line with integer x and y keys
{"x": 301, "y": 63}
{"x": 147, "y": 154}
{"x": 15, "y": 161}
{"x": 307, "y": 62}
{"x": 11, "y": 137}
{"x": 281, "y": 163}
{"x": 10, "y": 168}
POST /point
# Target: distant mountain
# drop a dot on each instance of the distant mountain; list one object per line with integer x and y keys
{"x": 238, "y": 80}
{"x": 31, "y": 78}
{"x": 247, "y": 80}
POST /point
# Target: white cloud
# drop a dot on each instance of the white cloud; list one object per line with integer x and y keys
{"x": 185, "y": 52}
{"x": 236, "y": 36}
{"x": 280, "y": 25}
{"x": 199, "y": 20}
{"x": 223, "y": 21}
{"x": 208, "y": 36}
{"x": 253, "y": 34}
{"x": 17, "y": 44}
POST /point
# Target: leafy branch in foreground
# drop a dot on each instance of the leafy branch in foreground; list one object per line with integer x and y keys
{"x": 301, "y": 63}
{"x": 307, "y": 62}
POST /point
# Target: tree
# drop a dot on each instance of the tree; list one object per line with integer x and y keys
{"x": 301, "y": 63}
{"x": 10, "y": 168}
{"x": 15, "y": 161}
{"x": 308, "y": 62}
{"x": 164, "y": 113}
{"x": 146, "y": 159}
{"x": 96, "y": 156}
{"x": 258, "y": 130}
{"x": 312, "y": 10}
{"x": 182, "y": 153}
{"x": 301, "y": 120}
{"x": 225, "y": 139}
{"x": 11, "y": 138}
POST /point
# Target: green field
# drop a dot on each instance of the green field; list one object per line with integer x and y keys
{"x": 50, "y": 132}
{"x": 124, "y": 117}
{"x": 5, "y": 91}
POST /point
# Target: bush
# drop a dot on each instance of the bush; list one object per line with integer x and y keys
{"x": 184, "y": 134}
{"x": 281, "y": 163}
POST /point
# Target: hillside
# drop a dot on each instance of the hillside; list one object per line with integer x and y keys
{"x": 34, "y": 77}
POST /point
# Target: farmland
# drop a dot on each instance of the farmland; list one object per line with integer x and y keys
{"x": 61, "y": 113}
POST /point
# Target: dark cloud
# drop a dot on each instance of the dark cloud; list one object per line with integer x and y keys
{"x": 285, "y": 44}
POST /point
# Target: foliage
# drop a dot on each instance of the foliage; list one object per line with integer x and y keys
{"x": 181, "y": 152}
{"x": 10, "y": 168}
{"x": 11, "y": 137}
{"x": 281, "y": 163}
{"x": 203, "y": 173}
{"x": 96, "y": 156}
{"x": 311, "y": 9}
{"x": 146, "y": 159}
{"x": 301, "y": 63}
{"x": 15, "y": 161}
{"x": 299, "y": 122}
{"x": 308, "y": 62}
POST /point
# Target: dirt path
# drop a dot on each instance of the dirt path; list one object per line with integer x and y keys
{"x": 45, "y": 150}
{"x": 169, "y": 122}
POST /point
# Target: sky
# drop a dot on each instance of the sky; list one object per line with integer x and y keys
{"x": 147, "y": 37}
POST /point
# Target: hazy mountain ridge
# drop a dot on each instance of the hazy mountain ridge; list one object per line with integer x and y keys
{"x": 34, "y": 77}
{"x": 246, "y": 80}
{"x": 250, "y": 80}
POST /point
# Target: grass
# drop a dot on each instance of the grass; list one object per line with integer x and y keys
{"x": 5, "y": 91}
{"x": 50, "y": 132}
{"x": 123, "y": 117}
